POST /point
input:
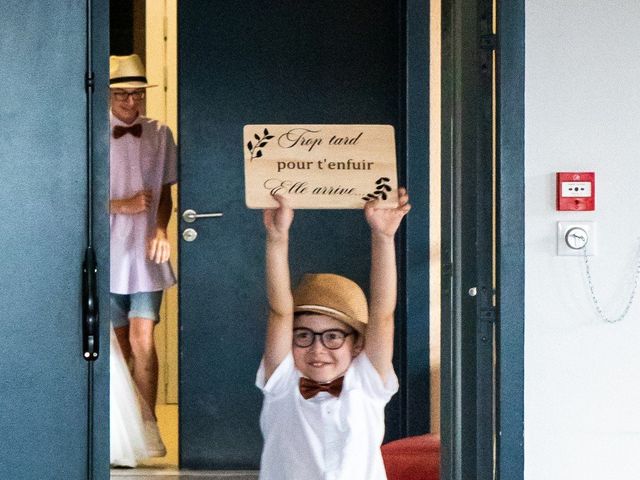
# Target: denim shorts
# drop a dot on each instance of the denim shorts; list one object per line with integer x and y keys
{"x": 134, "y": 305}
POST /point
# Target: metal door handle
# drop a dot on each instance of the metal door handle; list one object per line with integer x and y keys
{"x": 191, "y": 216}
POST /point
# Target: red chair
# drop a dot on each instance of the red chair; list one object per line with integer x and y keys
{"x": 413, "y": 458}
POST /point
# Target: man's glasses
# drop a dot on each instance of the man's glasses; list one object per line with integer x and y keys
{"x": 124, "y": 96}
{"x": 331, "y": 339}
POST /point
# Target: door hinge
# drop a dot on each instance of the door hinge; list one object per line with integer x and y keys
{"x": 489, "y": 41}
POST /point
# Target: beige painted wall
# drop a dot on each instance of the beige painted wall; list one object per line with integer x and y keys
{"x": 161, "y": 54}
{"x": 434, "y": 212}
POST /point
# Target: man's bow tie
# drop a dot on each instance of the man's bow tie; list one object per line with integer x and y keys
{"x": 310, "y": 388}
{"x": 135, "y": 130}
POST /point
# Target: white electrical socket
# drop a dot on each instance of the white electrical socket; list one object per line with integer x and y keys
{"x": 573, "y": 235}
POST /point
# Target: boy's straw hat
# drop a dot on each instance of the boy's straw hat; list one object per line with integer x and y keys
{"x": 332, "y": 295}
{"x": 127, "y": 72}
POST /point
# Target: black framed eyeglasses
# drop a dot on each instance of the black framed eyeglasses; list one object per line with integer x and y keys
{"x": 331, "y": 339}
{"x": 124, "y": 96}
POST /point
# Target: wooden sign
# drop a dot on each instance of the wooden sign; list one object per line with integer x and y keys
{"x": 320, "y": 166}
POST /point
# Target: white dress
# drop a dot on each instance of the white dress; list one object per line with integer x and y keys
{"x": 126, "y": 421}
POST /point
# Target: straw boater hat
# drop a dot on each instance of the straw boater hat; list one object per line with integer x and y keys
{"x": 127, "y": 72}
{"x": 332, "y": 295}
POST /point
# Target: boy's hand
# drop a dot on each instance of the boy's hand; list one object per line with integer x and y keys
{"x": 385, "y": 221}
{"x": 278, "y": 220}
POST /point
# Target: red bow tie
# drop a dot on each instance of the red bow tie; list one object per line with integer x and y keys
{"x": 135, "y": 130}
{"x": 310, "y": 388}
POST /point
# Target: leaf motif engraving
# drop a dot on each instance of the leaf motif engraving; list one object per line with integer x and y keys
{"x": 260, "y": 143}
{"x": 380, "y": 191}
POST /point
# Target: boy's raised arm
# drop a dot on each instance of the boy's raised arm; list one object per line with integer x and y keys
{"x": 277, "y": 222}
{"x": 383, "y": 277}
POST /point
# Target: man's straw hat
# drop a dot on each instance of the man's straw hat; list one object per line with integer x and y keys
{"x": 127, "y": 72}
{"x": 332, "y": 295}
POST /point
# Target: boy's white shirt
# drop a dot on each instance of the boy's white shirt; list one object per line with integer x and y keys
{"x": 324, "y": 438}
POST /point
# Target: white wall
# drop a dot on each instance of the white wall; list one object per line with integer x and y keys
{"x": 582, "y": 375}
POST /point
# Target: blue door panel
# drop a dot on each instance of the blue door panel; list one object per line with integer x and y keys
{"x": 43, "y": 377}
{"x": 248, "y": 63}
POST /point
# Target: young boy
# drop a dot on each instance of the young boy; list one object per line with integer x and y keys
{"x": 326, "y": 373}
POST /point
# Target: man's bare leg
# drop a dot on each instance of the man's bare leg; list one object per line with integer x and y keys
{"x": 137, "y": 344}
{"x": 145, "y": 360}
{"x": 122, "y": 334}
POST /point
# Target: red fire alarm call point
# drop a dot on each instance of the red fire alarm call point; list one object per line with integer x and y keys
{"x": 575, "y": 191}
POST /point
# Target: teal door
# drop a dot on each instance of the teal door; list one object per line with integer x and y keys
{"x": 269, "y": 62}
{"x": 44, "y": 402}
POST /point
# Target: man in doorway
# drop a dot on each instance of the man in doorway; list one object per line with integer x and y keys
{"x": 143, "y": 168}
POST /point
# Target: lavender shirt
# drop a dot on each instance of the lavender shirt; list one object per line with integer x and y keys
{"x": 148, "y": 162}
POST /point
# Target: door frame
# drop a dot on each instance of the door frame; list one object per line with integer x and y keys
{"x": 412, "y": 353}
{"x": 510, "y": 239}
{"x": 99, "y": 143}
{"x": 468, "y": 313}
{"x": 464, "y": 42}
{"x": 510, "y": 228}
